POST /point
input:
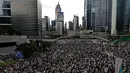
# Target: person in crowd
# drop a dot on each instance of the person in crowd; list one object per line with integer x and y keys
{"x": 72, "y": 56}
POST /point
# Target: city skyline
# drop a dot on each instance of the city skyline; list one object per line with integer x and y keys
{"x": 69, "y": 7}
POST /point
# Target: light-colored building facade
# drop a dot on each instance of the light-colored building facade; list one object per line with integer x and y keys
{"x": 59, "y": 28}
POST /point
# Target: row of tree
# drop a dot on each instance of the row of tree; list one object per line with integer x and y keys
{"x": 34, "y": 46}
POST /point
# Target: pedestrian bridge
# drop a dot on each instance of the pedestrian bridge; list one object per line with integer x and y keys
{"x": 63, "y": 37}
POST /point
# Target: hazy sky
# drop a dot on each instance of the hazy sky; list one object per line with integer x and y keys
{"x": 69, "y": 7}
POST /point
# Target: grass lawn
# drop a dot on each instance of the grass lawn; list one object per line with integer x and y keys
{"x": 7, "y": 63}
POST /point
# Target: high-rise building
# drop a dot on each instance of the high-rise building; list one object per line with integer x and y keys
{"x": 70, "y": 25}
{"x": 65, "y": 26}
{"x": 120, "y": 17}
{"x": 5, "y": 12}
{"x": 126, "y": 16}
{"x": 53, "y": 24}
{"x": 59, "y": 18}
{"x": 97, "y": 14}
{"x": 75, "y": 22}
{"x": 27, "y": 16}
{"x": 103, "y": 13}
{"x": 87, "y": 12}
{"x": 57, "y": 10}
{"x": 46, "y": 23}
{"x": 129, "y": 14}
{"x": 84, "y": 26}
{"x": 59, "y": 27}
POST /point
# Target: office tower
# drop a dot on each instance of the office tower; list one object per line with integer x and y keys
{"x": 59, "y": 27}
{"x": 70, "y": 25}
{"x": 129, "y": 14}
{"x": 103, "y": 13}
{"x": 97, "y": 14}
{"x": 126, "y": 16}
{"x": 27, "y": 16}
{"x": 46, "y": 23}
{"x": 65, "y": 26}
{"x": 87, "y": 13}
{"x": 59, "y": 17}
{"x": 120, "y": 17}
{"x": 53, "y": 24}
{"x": 57, "y": 10}
{"x": 84, "y": 26}
{"x": 75, "y": 22}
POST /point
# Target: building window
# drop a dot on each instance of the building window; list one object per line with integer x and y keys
{"x": 6, "y": 12}
{"x": 6, "y": 4}
{"x": 5, "y": 20}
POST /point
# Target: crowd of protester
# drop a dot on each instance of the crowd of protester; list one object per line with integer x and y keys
{"x": 10, "y": 57}
{"x": 72, "y": 56}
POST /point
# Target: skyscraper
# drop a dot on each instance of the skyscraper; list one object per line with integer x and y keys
{"x": 27, "y": 16}
{"x": 102, "y": 15}
{"x": 46, "y": 23}
{"x": 84, "y": 26}
{"x": 53, "y": 24}
{"x": 75, "y": 22}
{"x": 59, "y": 17}
{"x": 59, "y": 28}
{"x": 97, "y": 14}
{"x": 57, "y": 10}
{"x": 126, "y": 27}
{"x": 120, "y": 22}
{"x": 70, "y": 25}
{"x": 87, "y": 13}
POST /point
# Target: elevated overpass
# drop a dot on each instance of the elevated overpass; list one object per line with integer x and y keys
{"x": 72, "y": 33}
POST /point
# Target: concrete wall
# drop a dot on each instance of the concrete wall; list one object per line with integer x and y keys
{"x": 7, "y": 50}
{"x": 71, "y": 32}
{"x": 11, "y": 49}
{"x": 114, "y": 13}
{"x": 17, "y": 39}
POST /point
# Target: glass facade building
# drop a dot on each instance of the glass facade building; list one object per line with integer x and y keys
{"x": 120, "y": 15}
{"x": 87, "y": 13}
{"x": 98, "y": 14}
{"x": 122, "y": 23}
{"x": 103, "y": 15}
{"x": 27, "y": 16}
{"x": 46, "y": 23}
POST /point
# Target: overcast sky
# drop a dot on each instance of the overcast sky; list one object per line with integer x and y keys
{"x": 69, "y": 7}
